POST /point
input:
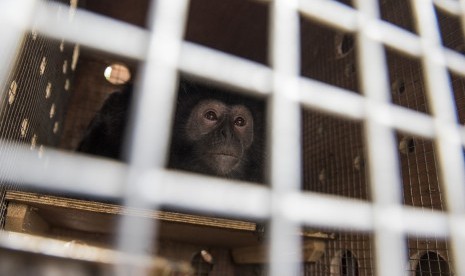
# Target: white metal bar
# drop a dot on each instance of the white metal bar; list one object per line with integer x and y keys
{"x": 17, "y": 14}
{"x": 240, "y": 73}
{"x": 212, "y": 195}
{"x": 331, "y": 99}
{"x": 156, "y": 91}
{"x": 151, "y": 117}
{"x": 454, "y": 61}
{"x": 323, "y": 11}
{"x": 285, "y": 136}
{"x": 421, "y": 222}
{"x": 450, "y": 6}
{"x": 381, "y": 146}
{"x": 152, "y": 184}
{"x": 322, "y": 210}
{"x": 440, "y": 98}
{"x": 394, "y": 37}
{"x": 409, "y": 121}
{"x": 64, "y": 249}
{"x": 91, "y": 30}
{"x": 357, "y": 215}
{"x": 341, "y": 102}
{"x": 62, "y": 171}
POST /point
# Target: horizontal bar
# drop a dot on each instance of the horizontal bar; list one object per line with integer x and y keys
{"x": 424, "y": 222}
{"x": 90, "y": 30}
{"x": 450, "y": 6}
{"x": 323, "y": 210}
{"x": 395, "y": 37}
{"x": 340, "y": 213}
{"x": 83, "y": 175}
{"x": 345, "y": 103}
{"x": 324, "y": 12}
{"x": 206, "y": 194}
{"x": 61, "y": 171}
{"x": 81, "y": 252}
{"x": 225, "y": 68}
{"x": 325, "y": 97}
{"x": 455, "y": 61}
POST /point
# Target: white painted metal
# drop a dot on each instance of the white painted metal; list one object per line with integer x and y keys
{"x": 163, "y": 52}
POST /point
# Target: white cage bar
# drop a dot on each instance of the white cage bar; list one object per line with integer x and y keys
{"x": 163, "y": 52}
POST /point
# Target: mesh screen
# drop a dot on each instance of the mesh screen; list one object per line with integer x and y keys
{"x": 36, "y": 95}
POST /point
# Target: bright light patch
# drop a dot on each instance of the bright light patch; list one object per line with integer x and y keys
{"x": 117, "y": 73}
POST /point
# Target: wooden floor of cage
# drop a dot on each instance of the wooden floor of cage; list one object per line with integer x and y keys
{"x": 94, "y": 224}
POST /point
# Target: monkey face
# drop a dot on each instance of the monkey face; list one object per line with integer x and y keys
{"x": 220, "y": 135}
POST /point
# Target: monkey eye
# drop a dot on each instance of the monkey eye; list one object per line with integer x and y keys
{"x": 239, "y": 121}
{"x": 211, "y": 115}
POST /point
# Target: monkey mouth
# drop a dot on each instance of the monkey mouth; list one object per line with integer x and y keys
{"x": 225, "y": 157}
{"x": 224, "y": 154}
{"x": 223, "y": 163}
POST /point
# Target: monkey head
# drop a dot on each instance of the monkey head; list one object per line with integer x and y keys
{"x": 220, "y": 135}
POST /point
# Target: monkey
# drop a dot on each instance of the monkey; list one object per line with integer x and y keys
{"x": 104, "y": 135}
{"x": 217, "y": 133}
{"x": 216, "y": 137}
{"x": 214, "y": 132}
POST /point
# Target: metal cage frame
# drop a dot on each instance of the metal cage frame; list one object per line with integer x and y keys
{"x": 164, "y": 54}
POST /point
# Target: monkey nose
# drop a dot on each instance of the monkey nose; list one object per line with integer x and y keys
{"x": 225, "y": 132}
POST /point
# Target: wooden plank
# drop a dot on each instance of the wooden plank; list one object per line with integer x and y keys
{"x": 24, "y": 218}
{"x": 96, "y": 222}
{"x": 106, "y": 208}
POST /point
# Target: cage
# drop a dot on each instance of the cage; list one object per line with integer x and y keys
{"x": 356, "y": 160}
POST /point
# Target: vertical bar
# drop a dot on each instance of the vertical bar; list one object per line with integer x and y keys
{"x": 381, "y": 145}
{"x": 284, "y": 130}
{"x": 157, "y": 86}
{"x": 441, "y": 101}
{"x": 152, "y": 116}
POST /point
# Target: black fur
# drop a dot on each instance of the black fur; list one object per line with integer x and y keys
{"x": 105, "y": 133}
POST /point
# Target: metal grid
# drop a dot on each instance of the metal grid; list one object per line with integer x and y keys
{"x": 164, "y": 52}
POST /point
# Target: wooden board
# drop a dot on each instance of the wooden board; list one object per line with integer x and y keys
{"x": 102, "y": 218}
{"x": 96, "y": 223}
{"x": 105, "y": 208}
